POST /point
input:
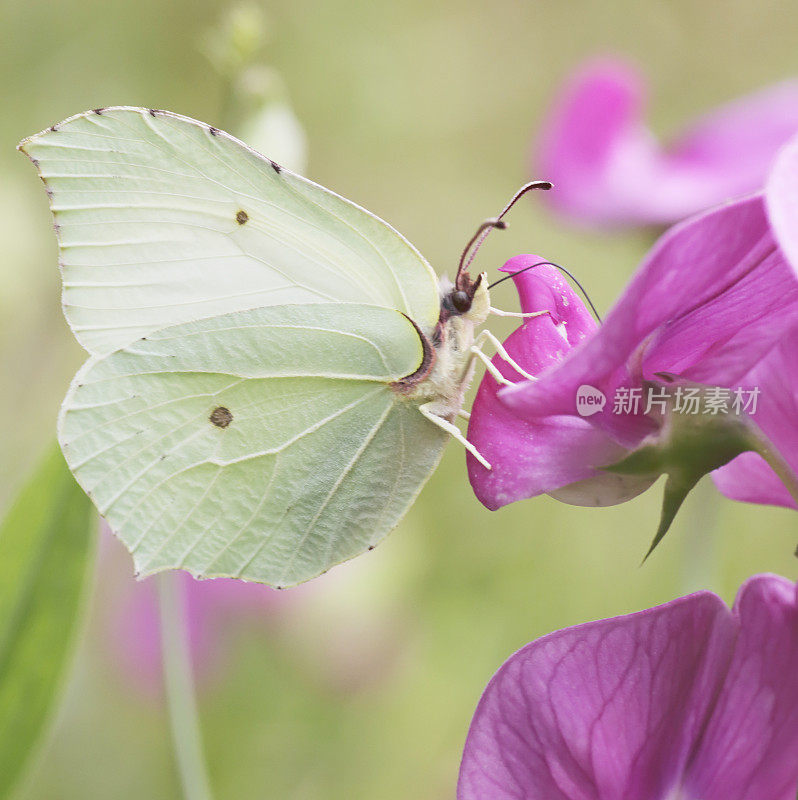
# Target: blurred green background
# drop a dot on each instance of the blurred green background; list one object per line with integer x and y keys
{"x": 424, "y": 113}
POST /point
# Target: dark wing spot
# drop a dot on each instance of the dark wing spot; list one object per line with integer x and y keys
{"x": 221, "y": 417}
{"x": 53, "y": 128}
{"x": 152, "y": 111}
{"x": 242, "y": 217}
{"x": 213, "y": 131}
{"x": 98, "y": 111}
{"x": 276, "y": 167}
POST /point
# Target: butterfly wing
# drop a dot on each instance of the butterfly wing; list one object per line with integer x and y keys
{"x": 162, "y": 219}
{"x": 265, "y": 444}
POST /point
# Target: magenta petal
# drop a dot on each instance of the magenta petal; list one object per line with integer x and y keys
{"x": 708, "y": 344}
{"x": 729, "y": 151}
{"x": 691, "y": 265}
{"x": 712, "y": 304}
{"x": 529, "y": 457}
{"x": 748, "y": 477}
{"x": 596, "y": 115}
{"x": 609, "y": 709}
{"x": 687, "y": 701}
{"x": 750, "y": 748}
{"x": 545, "y": 455}
{"x": 782, "y": 200}
{"x": 608, "y": 168}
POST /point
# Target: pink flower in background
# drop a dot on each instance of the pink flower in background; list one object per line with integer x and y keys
{"x": 608, "y": 168}
{"x": 686, "y": 701}
{"x": 346, "y": 630}
{"x": 714, "y": 304}
{"x": 212, "y": 607}
{"x": 781, "y": 194}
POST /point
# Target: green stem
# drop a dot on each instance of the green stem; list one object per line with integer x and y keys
{"x": 179, "y": 686}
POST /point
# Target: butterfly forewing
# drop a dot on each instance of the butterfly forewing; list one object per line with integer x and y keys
{"x": 162, "y": 220}
{"x": 265, "y": 444}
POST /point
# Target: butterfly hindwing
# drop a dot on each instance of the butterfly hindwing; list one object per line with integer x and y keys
{"x": 162, "y": 219}
{"x": 265, "y": 444}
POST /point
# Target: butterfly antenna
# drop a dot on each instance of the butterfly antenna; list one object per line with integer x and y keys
{"x": 488, "y": 225}
{"x": 563, "y": 270}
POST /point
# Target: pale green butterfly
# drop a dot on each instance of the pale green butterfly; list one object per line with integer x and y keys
{"x": 273, "y": 370}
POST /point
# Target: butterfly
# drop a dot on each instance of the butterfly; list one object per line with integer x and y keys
{"x": 273, "y": 371}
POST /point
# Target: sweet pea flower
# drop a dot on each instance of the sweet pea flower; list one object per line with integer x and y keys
{"x": 781, "y": 194}
{"x": 712, "y": 313}
{"x": 609, "y": 169}
{"x": 685, "y": 701}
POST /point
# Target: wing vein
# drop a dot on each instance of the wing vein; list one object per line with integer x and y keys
{"x": 347, "y": 469}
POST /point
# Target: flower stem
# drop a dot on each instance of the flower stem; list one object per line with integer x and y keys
{"x": 179, "y": 686}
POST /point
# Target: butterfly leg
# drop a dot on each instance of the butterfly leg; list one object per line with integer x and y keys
{"x": 429, "y": 410}
{"x": 464, "y": 414}
{"x": 499, "y": 313}
{"x": 476, "y": 349}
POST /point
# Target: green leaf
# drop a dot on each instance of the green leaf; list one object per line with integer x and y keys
{"x": 45, "y": 558}
{"x": 687, "y": 447}
{"x": 676, "y": 490}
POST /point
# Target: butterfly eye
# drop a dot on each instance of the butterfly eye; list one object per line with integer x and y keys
{"x": 461, "y": 301}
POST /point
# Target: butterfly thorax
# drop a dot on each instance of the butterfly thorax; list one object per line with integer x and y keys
{"x": 448, "y": 365}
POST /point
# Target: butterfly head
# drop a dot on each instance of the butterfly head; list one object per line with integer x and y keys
{"x": 465, "y": 298}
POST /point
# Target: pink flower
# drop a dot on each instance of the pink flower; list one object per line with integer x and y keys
{"x": 781, "y": 194}
{"x": 608, "y": 168}
{"x": 713, "y": 310}
{"x": 748, "y": 477}
{"x": 346, "y": 630}
{"x": 686, "y": 701}
{"x": 212, "y": 609}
